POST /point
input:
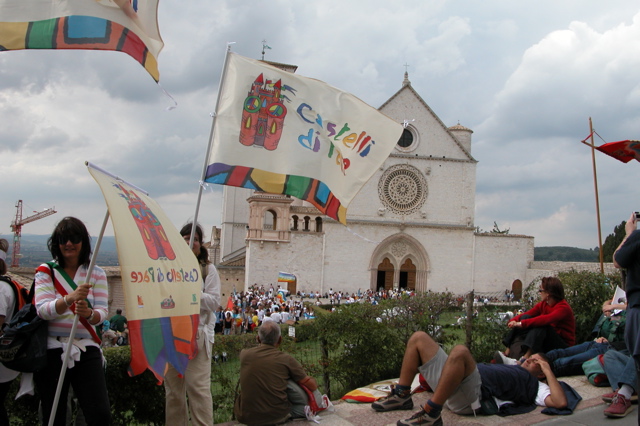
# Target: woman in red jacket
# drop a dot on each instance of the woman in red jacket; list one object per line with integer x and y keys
{"x": 550, "y": 324}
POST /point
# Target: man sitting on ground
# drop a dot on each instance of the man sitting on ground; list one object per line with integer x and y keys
{"x": 462, "y": 384}
{"x": 270, "y": 382}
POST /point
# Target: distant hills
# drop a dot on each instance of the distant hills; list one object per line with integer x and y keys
{"x": 565, "y": 254}
{"x": 34, "y": 251}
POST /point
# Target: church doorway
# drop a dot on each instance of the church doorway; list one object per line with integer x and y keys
{"x": 385, "y": 275}
{"x": 401, "y": 262}
{"x": 407, "y": 275}
{"x": 516, "y": 288}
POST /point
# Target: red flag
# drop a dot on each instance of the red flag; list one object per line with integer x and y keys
{"x": 624, "y": 151}
{"x": 230, "y": 303}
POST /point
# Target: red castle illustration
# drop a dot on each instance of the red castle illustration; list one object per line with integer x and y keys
{"x": 263, "y": 115}
{"x": 151, "y": 230}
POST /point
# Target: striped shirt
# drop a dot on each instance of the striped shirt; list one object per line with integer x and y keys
{"x": 60, "y": 324}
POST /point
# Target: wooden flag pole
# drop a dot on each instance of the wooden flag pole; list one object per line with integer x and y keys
{"x": 595, "y": 185}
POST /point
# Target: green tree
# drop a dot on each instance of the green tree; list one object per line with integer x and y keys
{"x": 612, "y": 242}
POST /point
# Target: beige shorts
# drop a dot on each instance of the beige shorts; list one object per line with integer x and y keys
{"x": 466, "y": 398}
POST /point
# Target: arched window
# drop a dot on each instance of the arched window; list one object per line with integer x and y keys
{"x": 270, "y": 218}
{"x": 307, "y": 219}
{"x": 295, "y": 222}
{"x": 318, "y": 224}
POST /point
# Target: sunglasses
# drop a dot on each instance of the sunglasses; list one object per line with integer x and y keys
{"x": 75, "y": 239}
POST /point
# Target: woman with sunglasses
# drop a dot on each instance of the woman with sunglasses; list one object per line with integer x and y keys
{"x": 63, "y": 291}
{"x": 550, "y": 324}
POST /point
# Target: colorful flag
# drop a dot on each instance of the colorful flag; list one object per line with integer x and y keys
{"x": 624, "y": 151}
{"x": 129, "y": 26}
{"x": 285, "y": 277}
{"x": 161, "y": 279}
{"x": 281, "y": 133}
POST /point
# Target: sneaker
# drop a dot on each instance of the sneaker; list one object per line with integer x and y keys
{"x": 501, "y": 358}
{"x": 608, "y": 397}
{"x": 395, "y": 401}
{"x": 620, "y": 407}
{"x": 421, "y": 418}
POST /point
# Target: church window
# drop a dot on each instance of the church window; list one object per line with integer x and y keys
{"x": 307, "y": 219}
{"x": 406, "y": 139}
{"x": 402, "y": 189}
{"x": 318, "y": 224}
{"x": 295, "y": 223}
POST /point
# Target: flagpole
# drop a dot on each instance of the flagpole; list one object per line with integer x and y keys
{"x": 72, "y": 334}
{"x": 206, "y": 157}
{"x": 595, "y": 184}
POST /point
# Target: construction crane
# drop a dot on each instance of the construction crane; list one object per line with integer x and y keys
{"x": 16, "y": 227}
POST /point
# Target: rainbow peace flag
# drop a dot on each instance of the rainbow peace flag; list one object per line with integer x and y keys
{"x": 125, "y": 26}
{"x": 284, "y": 277}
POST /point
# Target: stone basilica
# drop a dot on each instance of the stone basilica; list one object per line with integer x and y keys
{"x": 411, "y": 226}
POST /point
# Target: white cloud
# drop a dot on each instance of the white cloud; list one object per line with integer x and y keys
{"x": 525, "y": 80}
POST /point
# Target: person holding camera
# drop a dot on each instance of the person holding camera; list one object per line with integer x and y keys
{"x": 627, "y": 256}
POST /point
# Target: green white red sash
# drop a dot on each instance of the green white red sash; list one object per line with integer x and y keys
{"x": 64, "y": 285}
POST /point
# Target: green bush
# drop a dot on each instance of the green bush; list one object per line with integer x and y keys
{"x": 487, "y": 333}
{"x": 365, "y": 343}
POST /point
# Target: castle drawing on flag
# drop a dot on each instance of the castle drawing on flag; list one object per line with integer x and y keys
{"x": 263, "y": 114}
{"x": 151, "y": 230}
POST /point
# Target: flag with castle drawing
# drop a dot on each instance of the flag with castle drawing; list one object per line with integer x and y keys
{"x": 281, "y": 133}
{"x": 161, "y": 278}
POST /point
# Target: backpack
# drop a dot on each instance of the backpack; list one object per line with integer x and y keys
{"x": 23, "y": 346}
{"x": 20, "y": 294}
{"x": 594, "y": 370}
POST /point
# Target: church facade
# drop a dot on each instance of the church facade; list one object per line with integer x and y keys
{"x": 411, "y": 226}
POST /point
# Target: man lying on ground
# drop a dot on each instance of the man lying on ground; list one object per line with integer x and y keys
{"x": 464, "y": 386}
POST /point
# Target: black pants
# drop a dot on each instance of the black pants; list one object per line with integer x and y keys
{"x": 89, "y": 384}
{"x": 538, "y": 339}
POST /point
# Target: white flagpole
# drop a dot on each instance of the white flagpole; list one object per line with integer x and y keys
{"x": 206, "y": 157}
{"x": 65, "y": 359}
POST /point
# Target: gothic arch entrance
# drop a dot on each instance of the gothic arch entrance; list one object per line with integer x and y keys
{"x": 407, "y": 275}
{"x": 385, "y": 274}
{"x": 399, "y": 262}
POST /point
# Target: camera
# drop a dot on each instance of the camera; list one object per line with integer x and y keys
{"x": 637, "y": 216}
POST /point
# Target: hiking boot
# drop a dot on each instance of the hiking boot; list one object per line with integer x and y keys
{"x": 501, "y": 358}
{"x": 421, "y": 418}
{"x": 395, "y": 401}
{"x": 608, "y": 397}
{"x": 620, "y": 407}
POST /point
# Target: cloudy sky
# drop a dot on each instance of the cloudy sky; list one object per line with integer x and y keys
{"x": 525, "y": 76}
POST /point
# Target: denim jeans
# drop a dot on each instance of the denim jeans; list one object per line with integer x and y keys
{"x": 620, "y": 369}
{"x": 568, "y": 361}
